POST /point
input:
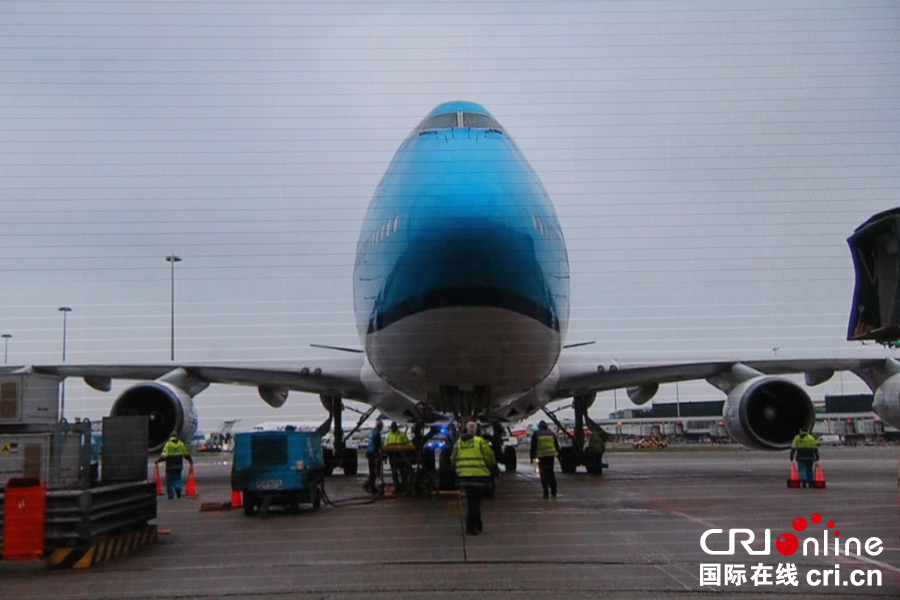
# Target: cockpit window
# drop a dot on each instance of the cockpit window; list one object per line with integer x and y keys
{"x": 445, "y": 121}
{"x": 477, "y": 121}
{"x": 450, "y": 120}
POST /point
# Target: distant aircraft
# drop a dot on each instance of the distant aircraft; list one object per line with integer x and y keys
{"x": 461, "y": 292}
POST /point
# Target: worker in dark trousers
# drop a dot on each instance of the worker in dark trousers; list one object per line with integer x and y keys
{"x": 174, "y": 453}
{"x": 373, "y": 456}
{"x": 805, "y": 448}
{"x": 474, "y": 462}
{"x": 545, "y": 449}
{"x": 398, "y": 447}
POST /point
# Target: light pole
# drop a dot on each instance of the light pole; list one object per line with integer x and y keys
{"x": 172, "y": 259}
{"x": 65, "y": 310}
{"x": 6, "y": 337}
{"x": 677, "y": 402}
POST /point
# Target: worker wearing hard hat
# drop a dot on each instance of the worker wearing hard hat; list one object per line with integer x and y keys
{"x": 545, "y": 449}
{"x": 474, "y": 462}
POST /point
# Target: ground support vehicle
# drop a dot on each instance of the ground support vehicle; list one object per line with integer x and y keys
{"x": 283, "y": 468}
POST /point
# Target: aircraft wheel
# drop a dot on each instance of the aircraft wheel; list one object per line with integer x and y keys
{"x": 568, "y": 460}
{"x": 350, "y": 461}
{"x": 328, "y": 459}
{"x": 446, "y": 472}
{"x": 428, "y": 459}
{"x": 510, "y": 459}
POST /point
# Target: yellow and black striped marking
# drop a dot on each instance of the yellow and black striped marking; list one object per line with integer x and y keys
{"x": 103, "y": 548}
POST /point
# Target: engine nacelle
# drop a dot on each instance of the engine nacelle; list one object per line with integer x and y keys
{"x": 767, "y": 412}
{"x": 168, "y": 408}
{"x": 887, "y": 401}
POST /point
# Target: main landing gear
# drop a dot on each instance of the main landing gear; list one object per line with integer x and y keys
{"x": 573, "y": 456}
{"x": 346, "y": 459}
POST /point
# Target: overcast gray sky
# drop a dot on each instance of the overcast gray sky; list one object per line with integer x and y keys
{"x": 707, "y": 161}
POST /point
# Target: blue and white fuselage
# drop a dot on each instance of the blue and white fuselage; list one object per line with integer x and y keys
{"x": 461, "y": 283}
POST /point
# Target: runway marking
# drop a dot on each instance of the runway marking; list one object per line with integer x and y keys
{"x": 698, "y": 520}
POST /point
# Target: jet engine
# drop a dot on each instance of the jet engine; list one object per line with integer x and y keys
{"x": 767, "y": 412}
{"x": 168, "y": 408}
{"x": 887, "y": 401}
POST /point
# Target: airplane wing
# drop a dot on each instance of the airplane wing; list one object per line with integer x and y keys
{"x": 582, "y": 374}
{"x": 335, "y": 376}
{"x": 761, "y": 409}
{"x": 165, "y": 391}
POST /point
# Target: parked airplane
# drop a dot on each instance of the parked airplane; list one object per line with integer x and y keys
{"x": 461, "y": 291}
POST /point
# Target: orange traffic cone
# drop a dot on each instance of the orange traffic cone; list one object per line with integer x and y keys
{"x": 159, "y": 486}
{"x": 237, "y": 499}
{"x": 819, "y": 478}
{"x": 191, "y": 491}
{"x": 794, "y": 478}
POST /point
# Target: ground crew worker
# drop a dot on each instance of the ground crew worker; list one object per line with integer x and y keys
{"x": 595, "y": 449}
{"x": 545, "y": 448}
{"x": 397, "y": 447}
{"x": 174, "y": 453}
{"x": 373, "y": 456}
{"x": 805, "y": 448}
{"x": 474, "y": 462}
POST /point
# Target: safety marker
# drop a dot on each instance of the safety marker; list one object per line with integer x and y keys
{"x": 102, "y": 549}
{"x": 191, "y": 491}
{"x": 794, "y": 478}
{"x": 237, "y": 499}
{"x": 159, "y": 486}
{"x": 819, "y": 478}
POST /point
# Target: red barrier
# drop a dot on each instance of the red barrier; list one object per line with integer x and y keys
{"x": 25, "y": 510}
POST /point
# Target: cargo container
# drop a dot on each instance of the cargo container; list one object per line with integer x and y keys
{"x": 28, "y": 399}
{"x": 59, "y": 456}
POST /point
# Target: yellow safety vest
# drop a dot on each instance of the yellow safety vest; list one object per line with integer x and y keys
{"x": 396, "y": 437}
{"x": 473, "y": 458}
{"x": 805, "y": 440}
{"x": 176, "y": 448}
{"x": 596, "y": 445}
{"x": 546, "y": 445}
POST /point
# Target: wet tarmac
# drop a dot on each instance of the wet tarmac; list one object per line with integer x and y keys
{"x": 635, "y": 532}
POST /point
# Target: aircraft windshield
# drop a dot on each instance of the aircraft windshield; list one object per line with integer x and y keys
{"x": 477, "y": 121}
{"x": 451, "y": 120}
{"x": 446, "y": 121}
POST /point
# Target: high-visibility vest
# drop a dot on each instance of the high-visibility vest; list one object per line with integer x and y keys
{"x": 805, "y": 447}
{"x": 546, "y": 443}
{"x": 596, "y": 445}
{"x": 473, "y": 458}
{"x": 176, "y": 448}
{"x": 805, "y": 440}
{"x": 396, "y": 437}
{"x": 174, "y": 453}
